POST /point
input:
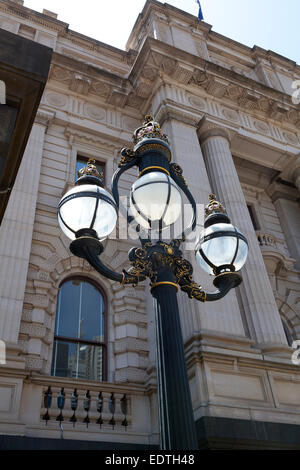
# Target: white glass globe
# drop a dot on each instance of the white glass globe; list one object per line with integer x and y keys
{"x": 87, "y": 206}
{"x": 155, "y": 197}
{"x": 220, "y": 250}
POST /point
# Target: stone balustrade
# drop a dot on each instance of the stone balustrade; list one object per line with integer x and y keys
{"x": 93, "y": 406}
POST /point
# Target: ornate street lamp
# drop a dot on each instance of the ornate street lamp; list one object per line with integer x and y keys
{"x": 88, "y": 213}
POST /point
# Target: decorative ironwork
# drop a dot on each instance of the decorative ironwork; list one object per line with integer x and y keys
{"x": 127, "y": 156}
{"x": 178, "y": 171}
{"x": 164, "y": 265}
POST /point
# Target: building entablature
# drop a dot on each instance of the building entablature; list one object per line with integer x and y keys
{"x": 48, "y": 30}
{"x": 178, "y": 28}
{"x": 88, "y": 66}
{"x": 160, "y": 59}
{"x": 206, "y": 91}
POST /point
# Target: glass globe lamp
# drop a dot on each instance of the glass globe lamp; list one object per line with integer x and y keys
{"x": 155, "y": 199}
{"x": 221, "y": 246}
{"x": 87, "y": 208}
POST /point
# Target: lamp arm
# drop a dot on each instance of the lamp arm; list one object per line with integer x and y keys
{"x": 125, "y": 278}
{"x": 224, "y": 282}
{"x": 90, "y": 248}
{"x": 176, "y": 174}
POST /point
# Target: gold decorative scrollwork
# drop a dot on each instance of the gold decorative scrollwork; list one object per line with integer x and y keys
{"x": 127, "y": 156}
{"x": 178, "y": 172}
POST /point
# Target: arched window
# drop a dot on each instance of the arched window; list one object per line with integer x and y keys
{"x": 80, "y": 338}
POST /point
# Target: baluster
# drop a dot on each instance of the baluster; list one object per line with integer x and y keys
{"x": 124, "y": 409}
{"x": 86, "y": 406}
{"x": 112, "y": 409}
{"x": 74, "y": 404}
{"x": 100, "y": 409}
{"x": 47, "y": 404}
{"x": 61, "y": 397}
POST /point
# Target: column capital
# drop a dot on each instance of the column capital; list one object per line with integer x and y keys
{"x": 208, "y": 128}
{"x": 168, "y": 111}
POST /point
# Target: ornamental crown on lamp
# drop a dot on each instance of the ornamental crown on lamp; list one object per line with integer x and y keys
{"x": 149, "y": 130}
{"x": 214, "y": 206}
{"x": 90, "y": 170}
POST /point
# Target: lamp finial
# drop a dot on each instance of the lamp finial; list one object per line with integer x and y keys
{"x": 149, "y": 130}
{"x": 91, "y": 170}
{"x": 214, "y": 206}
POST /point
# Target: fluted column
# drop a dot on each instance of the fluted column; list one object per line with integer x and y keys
{"x": 256, "y": 292}
{"x": 222, "y": 316}
{"x": 16, "y": 234}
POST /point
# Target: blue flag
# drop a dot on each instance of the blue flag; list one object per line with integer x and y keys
{"x": 200, "y": 15}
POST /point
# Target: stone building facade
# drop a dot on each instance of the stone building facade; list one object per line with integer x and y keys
{"x": 234, "y": 129}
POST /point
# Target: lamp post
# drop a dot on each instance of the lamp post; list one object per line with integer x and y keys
{"x": 88, "y": 213}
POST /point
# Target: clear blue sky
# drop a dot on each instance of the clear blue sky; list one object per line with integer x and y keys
{"x": 270, "y": 24}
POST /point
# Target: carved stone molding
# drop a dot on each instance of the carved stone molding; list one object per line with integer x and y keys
{"x": 80, "y": 84}
{"x": 277, "y": 190}
{"x": 81, "y": 136}
{"x": 44, "y": 117}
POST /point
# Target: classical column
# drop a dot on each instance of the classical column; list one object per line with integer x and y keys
{"x": 285, "y": 199}
{"x": 16, "y": 233}
{"x": 256, "y": 292}
{"x": 223, "y": 316}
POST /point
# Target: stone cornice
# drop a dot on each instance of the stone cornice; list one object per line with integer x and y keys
{"x": 75, "y": 134}
{"x": 75, "y": 65}
{"x": 170, "y": 12}
{"x": 26, "y": 13}
{"x": 217, "y": 81}
{"x": 63, "y": 30}
{"x": 277, "y": 190}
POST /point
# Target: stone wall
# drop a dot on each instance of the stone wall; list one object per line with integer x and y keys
{"x": 234, "y": 130}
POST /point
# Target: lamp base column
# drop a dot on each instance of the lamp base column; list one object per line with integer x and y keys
{"x": 176, "y": 418}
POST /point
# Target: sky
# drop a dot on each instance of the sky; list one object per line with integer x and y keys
{"x": 270, "y": 24}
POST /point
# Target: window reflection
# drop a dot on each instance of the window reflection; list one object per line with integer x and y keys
{"x": 79, "y": 346}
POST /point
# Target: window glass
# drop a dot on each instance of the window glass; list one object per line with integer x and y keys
{"x": 79, "y": 345}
